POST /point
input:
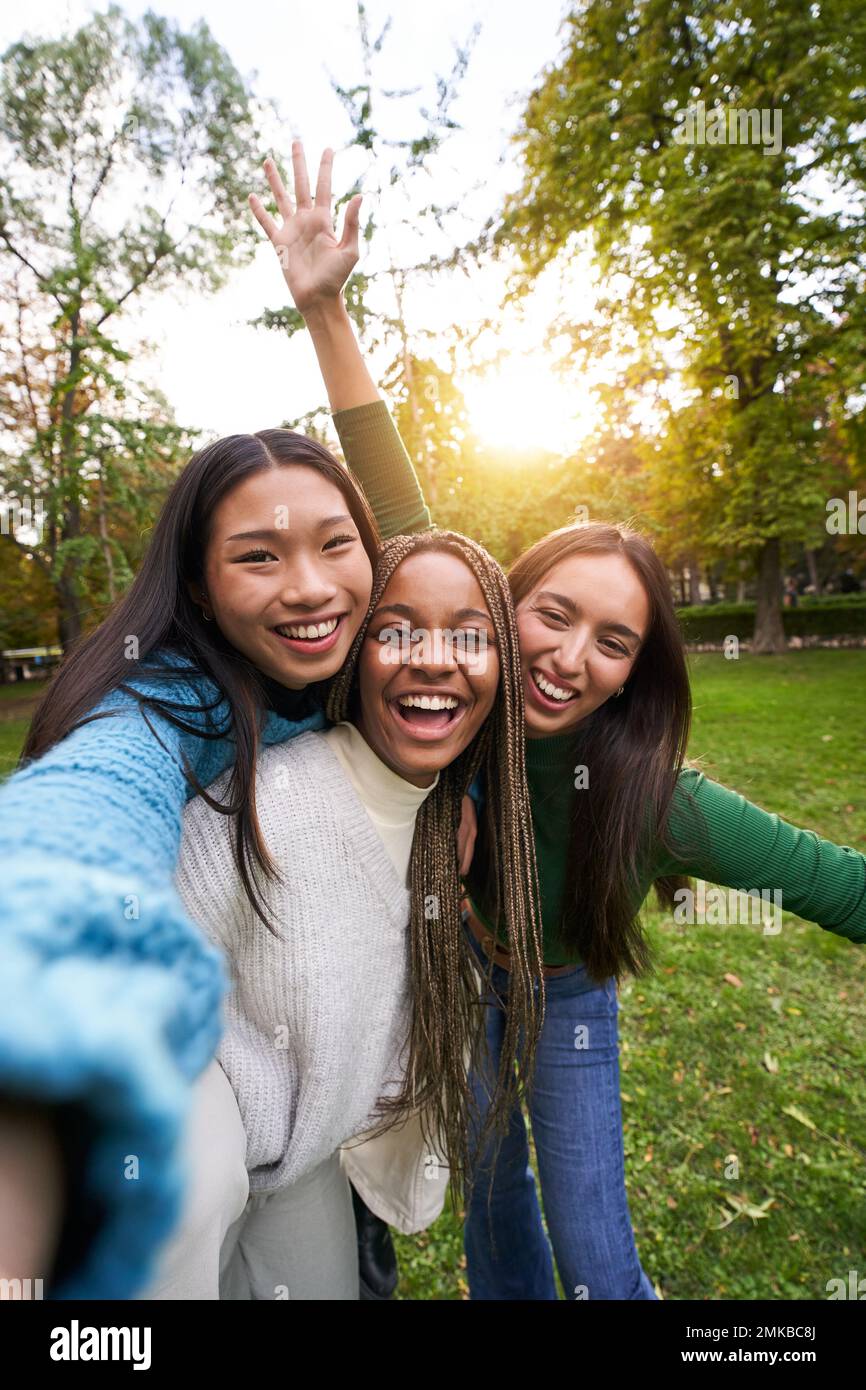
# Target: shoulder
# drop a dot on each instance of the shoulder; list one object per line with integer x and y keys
{"x": 173, "y": 679}
{"x": 299, "y": 768}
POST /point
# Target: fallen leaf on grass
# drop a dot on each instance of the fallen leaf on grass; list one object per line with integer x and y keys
{"x": 741, "y": 1206}
{"x": 732, "y": 979}
{"x": 797, "y": 1114}
{"x": 770, "y": 1062}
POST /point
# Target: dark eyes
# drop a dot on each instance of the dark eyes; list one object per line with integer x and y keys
{"x": 256, "y": 557}
{"x": 253, "y": 557}
{"x": 608, "y": 641}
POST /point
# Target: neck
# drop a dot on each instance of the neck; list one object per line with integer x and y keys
{"x": 415, "y": 779}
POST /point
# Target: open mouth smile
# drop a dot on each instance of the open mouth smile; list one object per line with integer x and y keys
{"x": 428, "y": 716}
{"x": 547, "y": 693}
{"x": 310, "y": 637}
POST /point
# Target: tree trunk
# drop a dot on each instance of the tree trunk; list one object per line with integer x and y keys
{"x": 812, "y": 566}
{"x": 694, "y": 581}
{"x": 69, "y": 623}
{"x": 103, "y": 535}
{"x": 741, "y": 591}
{"x": 769, "y": 632}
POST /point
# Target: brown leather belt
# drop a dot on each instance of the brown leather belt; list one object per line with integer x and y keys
{"x": 501, "y": 954}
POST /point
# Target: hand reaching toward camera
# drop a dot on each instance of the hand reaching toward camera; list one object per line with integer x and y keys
{"x": 315, "y": 265}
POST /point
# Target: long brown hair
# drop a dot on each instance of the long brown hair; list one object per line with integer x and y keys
{"x": 633, "y": 747}
{"x": 159, "y": 611}
{"x": 447, "y": 1015}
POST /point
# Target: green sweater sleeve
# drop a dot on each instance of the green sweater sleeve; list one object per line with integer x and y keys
{"x": 377, "y": 456}
{"x": 719, "y": 836}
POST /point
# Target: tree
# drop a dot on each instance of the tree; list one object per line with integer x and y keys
{"x": 126, "y": 151}
{"x": 721, "y": 249}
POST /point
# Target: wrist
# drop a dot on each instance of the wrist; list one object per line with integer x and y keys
{"x": 325, "y": 315}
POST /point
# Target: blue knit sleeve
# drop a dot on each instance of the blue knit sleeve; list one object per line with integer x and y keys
{"x": 110, "y": 996}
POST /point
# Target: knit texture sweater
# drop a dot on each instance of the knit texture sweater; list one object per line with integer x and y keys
{"x": 109, "y": 994}
{"x": 317, "y": 1021}
{"x": 715, "y": 834}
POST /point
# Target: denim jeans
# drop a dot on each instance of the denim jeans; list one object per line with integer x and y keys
{"x": 576, "y": 1122}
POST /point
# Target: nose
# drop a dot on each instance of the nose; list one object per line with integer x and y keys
{"x": 571, "y": 655}
{"x": 305, "y": 583}
{"x": 434, "y": 652}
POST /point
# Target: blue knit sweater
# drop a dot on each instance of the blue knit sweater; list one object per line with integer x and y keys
{"x": 110, "y": 997}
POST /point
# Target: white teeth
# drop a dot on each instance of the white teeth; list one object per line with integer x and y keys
{"x": 428, "y": 701}
{"x": 554, "y": 692}
{"x": 308, "y": 630}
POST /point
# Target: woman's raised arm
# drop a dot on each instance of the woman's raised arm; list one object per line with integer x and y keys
{"x": 316, "y": 266}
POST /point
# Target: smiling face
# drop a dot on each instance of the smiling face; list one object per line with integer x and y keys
{"x": 290, "y": 597}
{"x": 581, "y": 628}
{"x": 428, "y": 668}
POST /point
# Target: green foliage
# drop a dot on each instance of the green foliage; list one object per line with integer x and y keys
{"x": 126, "y": 150}
{"x": 731, "y": 296}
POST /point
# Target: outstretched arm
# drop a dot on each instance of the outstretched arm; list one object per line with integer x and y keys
{"x": 110, "y": 996}
{"x": 719, "y": 836}
{"x": 315, "y": 267}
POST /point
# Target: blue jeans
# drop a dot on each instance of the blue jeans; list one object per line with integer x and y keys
{"x": 574, "y": 1108}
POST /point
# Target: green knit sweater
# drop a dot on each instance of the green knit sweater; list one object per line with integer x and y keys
{"x": 716, "y": 835}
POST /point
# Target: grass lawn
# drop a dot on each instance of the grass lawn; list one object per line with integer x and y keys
{"x": 14, "y": 719}
{"x": 744, "y": 1104}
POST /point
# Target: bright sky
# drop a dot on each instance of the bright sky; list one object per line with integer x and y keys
{"x": 223, "y": 376}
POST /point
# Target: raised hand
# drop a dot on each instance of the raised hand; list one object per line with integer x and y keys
{"x": 315, "y": 265}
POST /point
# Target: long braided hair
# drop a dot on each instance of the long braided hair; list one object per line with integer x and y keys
{"x": 447, "y": 1013}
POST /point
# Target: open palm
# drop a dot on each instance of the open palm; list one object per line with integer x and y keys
{"x": 315, "y": 265}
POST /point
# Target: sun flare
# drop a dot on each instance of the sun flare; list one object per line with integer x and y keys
{"x": 523, "y": 404}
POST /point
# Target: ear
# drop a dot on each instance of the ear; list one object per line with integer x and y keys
{"x": 198, "y": 595}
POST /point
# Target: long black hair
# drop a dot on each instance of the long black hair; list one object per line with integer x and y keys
{"x": 160, "y": 615}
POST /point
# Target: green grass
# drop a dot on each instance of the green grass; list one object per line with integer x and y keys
{"x": 21, "y": 690}
{"x": 770, "y": 1072}
{"x": 12, "y": 735}
{"x": 14, "y": 721}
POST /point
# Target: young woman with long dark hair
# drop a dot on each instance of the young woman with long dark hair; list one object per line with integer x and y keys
{"x": 250, "y": 596}
{"x": 615, "y": 810}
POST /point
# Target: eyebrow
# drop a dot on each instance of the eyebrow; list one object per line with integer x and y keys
{"x": 270, "y": 534}
{"x": 571, "y": 607}
{"x": 404, "y": 610}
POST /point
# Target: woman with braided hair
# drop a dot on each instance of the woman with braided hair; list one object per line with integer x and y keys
{"x": 359, "y": 1013}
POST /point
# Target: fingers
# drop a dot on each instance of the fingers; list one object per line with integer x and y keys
{"x": 323, "y": 183}
{"x": 302, "y": 183}
{"x": 283, "y": 201}
{"x": 263, "y": 217}
{"x": 351, "y": 223}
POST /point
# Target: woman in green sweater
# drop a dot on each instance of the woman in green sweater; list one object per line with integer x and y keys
{"x": 614, "y": 811}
